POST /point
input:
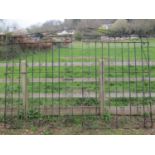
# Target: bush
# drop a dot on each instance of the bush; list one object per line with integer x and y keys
{"x": 78, "y": 36}
{"x": 107, "y": 117}
{"x": 9, "y": 51}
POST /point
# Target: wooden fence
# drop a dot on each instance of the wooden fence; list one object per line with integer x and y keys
{"x": 78, "y": 110}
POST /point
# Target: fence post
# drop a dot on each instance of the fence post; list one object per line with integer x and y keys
{"x": 101, "y": 96}
{"x": 24, "y": 86}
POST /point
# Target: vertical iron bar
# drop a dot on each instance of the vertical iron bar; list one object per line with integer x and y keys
{"x": 52, "y": 79}
{"x": 150, "y": 96}
{"x": 6, "y": 92}
{"x": 32, "y": 91}
{"x": 129, "y": 76}
{"x": 46, "y": 70}
{"x": 59, "y": 45}
{"x": 72, "y": 60}
{"x": 135, "y": 64}
{"x": 143, "y": 88}
{"x": 6, "y": 86}
{"x": 39, "y": 82}
{"x": 96, "y": 83}
{"x": 19, "y": 83}
{"x": 82, "y": 83}
{"x": 109, "y": 98}
{"x": 12, "y": 81}
{"x": 122, "y": 50}
{"x": 116, "y": 90}
{"x": 102, "y": 56}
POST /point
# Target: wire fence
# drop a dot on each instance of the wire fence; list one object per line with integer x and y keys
{"x": 109, "y": 81}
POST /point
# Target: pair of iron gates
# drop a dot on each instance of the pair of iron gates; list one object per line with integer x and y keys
{"x": 85, "y": 79}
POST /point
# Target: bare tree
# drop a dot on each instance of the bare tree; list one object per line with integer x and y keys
{"x": 143, "y": 26}
{"x": 140, "y": 27}
{"x": 51, "y": 25}
{"x": 121, "y": 26}
{"x": 2, "y": 25}
{"x": 8, "y": 25}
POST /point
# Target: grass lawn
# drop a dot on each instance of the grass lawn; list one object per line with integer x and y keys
{"x": 86, "y": 52}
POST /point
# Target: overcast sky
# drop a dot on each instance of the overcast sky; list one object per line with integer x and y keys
{"x": 28, "y": 22}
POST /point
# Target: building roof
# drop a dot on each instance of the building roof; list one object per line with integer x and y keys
{"x": 65, "y": 33}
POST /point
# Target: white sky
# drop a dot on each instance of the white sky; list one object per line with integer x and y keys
{"x": 30, "y": 12}
{"x": 28, "y": 22}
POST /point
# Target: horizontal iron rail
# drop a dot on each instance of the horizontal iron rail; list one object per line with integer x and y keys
{"x": 117, "y": 41}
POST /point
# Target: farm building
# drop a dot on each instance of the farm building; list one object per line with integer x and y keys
{"x": 72, "y": 32}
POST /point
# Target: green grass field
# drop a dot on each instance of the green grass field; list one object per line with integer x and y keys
{"x": 86, "y": 52}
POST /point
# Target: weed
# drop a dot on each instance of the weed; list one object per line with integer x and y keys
{"x": 47, "y": 132}
{"x": 106, "y": 117}
{"x": 146, "y": 114}
{"x": 87, "y": 101}
{"x": 33, "y": 114}
{"x": 34, "y": 128}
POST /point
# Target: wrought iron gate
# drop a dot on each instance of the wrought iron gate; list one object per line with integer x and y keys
{"x": 95, "y": 79}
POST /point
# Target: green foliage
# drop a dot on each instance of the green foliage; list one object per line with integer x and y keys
{"x": 9, "y": 51}
{"x": 87, "y": 101}
{"x": 21, "y": 114}
{"x": 120, "y": 26}
{"x": 70, "y": 120}
{"x": 47, "y": 132}
{"x": 33, "y": 114}
{"x": 106, "y": 117}
{"x": 102, "y": 30}
{"x": 78, "y": 36}
{"x": 34, "y": 128}
{"x": 106, "y": 32}
{"x": 146, "y": 114}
